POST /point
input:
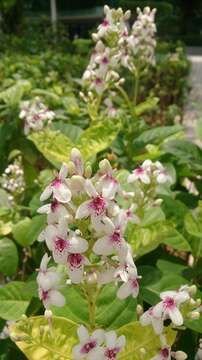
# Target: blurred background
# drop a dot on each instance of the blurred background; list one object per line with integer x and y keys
{"x": 176, "y": 19}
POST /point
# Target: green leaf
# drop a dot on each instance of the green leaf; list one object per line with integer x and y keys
{"x": 71, "y": 131}
{"x": 168, "y": 281}
{"x": 152, "y": 216}
{"x": 111, "y": 312}
{"x": 37, "y": 341}
{"x": 176, "y": 240}
{"x": 54, "y": 146}
{"x": 146, "y": 239}
{"x": 138, "y": 338}
{"x": 76, "y": 307}
{"x": 186, "y": 152}
{"x": 8, "y": 257}
{"x": 155, "y": 135}
{"x": 5, "y": 228}
{"x": 34, "y": 337}
{"x": 170, "y": 267}
{"x": 148, "y": 105}
{"x": 193, "y": 225}
{"x": 71, "y": 105}
{"x": 13, "y": 302}
{"x": 199, "y": 129}
{"x": 26, "y": 231}
{"x": 97, "y": 138}
{"x": 14, "y": 94}
{"x": 195, "y": 325}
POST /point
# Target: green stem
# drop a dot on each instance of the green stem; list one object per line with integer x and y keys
{"x": 136, "y": 88}
{"x": 91, "y": 294}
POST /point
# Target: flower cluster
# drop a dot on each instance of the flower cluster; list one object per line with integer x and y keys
{"x": 142, "y": 41}
{"x": 100, "y": 345}
{"x": 171, "y": 306}
{"x": 117, "y": 47}
{"x": 146, "y": 180}
{"x": 12, "y": 179}
{"x": 35, "y": 115}
{"x": 84, "y": 220}
{"x": 85, "y": 234}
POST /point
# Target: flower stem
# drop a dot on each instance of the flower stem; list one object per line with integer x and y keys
{"x": 91, "y": 292}
{"x": 136, "y": 88}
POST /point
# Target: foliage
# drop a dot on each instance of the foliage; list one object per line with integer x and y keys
{"x": 166, "y": 241}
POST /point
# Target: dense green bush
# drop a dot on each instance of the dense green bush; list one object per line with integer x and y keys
{"x": 166, "y": 234}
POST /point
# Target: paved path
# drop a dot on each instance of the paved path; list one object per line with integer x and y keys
{"x": 193, "y": 111}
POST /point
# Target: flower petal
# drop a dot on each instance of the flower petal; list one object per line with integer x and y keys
{"x": 76, "y": 352}
{"x": 46, "y": 193}
{"x": 62, "y": 193}
{"x": 157, "y": 325}
{"x": 77, "y": 244}
{"x": 45, "y": 209}
{"x": 103, "y": 246}
{"x": 176, "y": 316}
{"x": 98, "y": 335}
{"x": 76, "y": 275}
{"x": 121, "y": 341}
{"x": 83, "y": 210}
{"x": 110, "y": 339}
{"x": 124, "y": 291}
{"x": 56, "y": 298}
{"x": 83, "y": 334}
{"x": 90, "y": 189}
{"x": 63, "y": 171}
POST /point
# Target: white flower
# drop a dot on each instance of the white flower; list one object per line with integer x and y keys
{"x": 142, "y": 173}
{"x": 130, "y": 287}
{"x": 75, "y": 267}
{"x": 107, "y": 181}
{"x": 164, "y": 354}
{"x": 161, "y": 174}
{"x": 62, "y": 241}
{"x": 113, "y": 241}
{"x": 96, "y": 207}
{"x": 36, "y": 115}
{"x": 148, "y": 318}
{"x": 76, "y": 158}
{"x": 114, "y": 345}
{"x": 48, "y": 281}
{"x": 168, "y": 308}
{"x": 47, "y": 277}
{"x": 127, "y": 264}
{"x": 90, "y": 346}
{"x": 51, "y": 297}
{"x": 58, "y": 188}
{"x": 55, "y": 211}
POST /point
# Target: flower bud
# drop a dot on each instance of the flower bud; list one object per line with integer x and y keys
{"x": 139, "y": 310}
{"x": 143, "y": 351}
{"x": 48, "y": 314}
{"x": 91, "y": 278}
{"x": 127, "y": 15}
{"x": 100, "y": 46}
{"x": 95, "y": 37}
{"x": 104, "y": 165}
{"x": 24, "y": 317}
{"x": 194, "y": 315}
{"x": 77, "y": 183}
{"x": 180, "y": 355}
{"x": 71, "y": 168}
{"x": 106, "y": 9}
{"x": 88, "y": 171}
{"x": 192, "y": 290}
